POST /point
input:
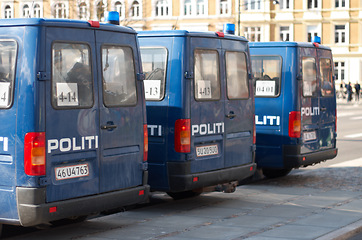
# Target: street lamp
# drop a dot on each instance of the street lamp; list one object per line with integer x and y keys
{"x": 275, "y": 2}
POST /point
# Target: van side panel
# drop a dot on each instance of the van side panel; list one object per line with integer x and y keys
{"x": 162, "y": 114}
{"x": 272, "y": 113}
{"x": 17, "y": 120}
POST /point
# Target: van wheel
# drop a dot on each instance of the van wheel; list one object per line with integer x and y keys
{"x": 275, "y": 173}
{"x": 182, "y": 195}
{"x": 1, "y": 229}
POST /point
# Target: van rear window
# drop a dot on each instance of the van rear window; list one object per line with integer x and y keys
{"x": 309, "y": 77}
{"x": 327, "y": 84}
{"x": 267, "y": 72}
{"x": 237, "y": 75}
{"x": 154, "y": 63}
{"x": 8, "y": 52}
{"x": 207, "y": 76}
{"x": 72, "y": 80}
{"x": 119, "y": 78}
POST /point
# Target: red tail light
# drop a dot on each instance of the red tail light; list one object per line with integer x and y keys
{"x": 254, "y": 132}
{"x": 182, "y": 135}
{"x": 294, "y": 124}
{"x": 145, "y": 143}
{"x": 34, "y": 153}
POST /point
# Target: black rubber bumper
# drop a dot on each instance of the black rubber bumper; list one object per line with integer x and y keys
{"x": 181, "y": 179}
{"x": 294, "y": 159}
{"x": 33, "y": 210}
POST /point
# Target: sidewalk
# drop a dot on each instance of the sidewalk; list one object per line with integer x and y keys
{"x": 308, "y": 204}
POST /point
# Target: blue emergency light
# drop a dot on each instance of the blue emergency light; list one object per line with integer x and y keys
{"x": 317, "y": 39}
{"x": 229, "y": 28}
{"x": 113, "y": 17}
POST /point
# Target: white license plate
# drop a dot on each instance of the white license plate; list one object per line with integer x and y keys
{"x": 307, "y": 136}
{"x": 207, "y": 150}
{"x": 75, "y": 171}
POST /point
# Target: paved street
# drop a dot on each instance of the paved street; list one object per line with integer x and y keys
{"x": 319, "y": 202}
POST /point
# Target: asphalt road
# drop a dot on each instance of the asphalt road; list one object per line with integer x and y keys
{"x": 349, "y": 139}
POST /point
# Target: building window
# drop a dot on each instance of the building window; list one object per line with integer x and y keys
{"x": 224, "y": 7}
{"x": 340, "y": 3}
{"x": 83, "y": 10}
{"x": 59, "y": 10}
{"x": 313, "y": 4}
{"x": 7, "y": 12}
{"x": 340, "y": 34}
{"x": 339, "y": 71}
{"x": 200, "y": 7}
{"x": 284, "y": 4}
{"x": 312, "y": 31}
{"x": 253, "y": 34}
{"x": 135, "y": 9}
{"x": 161, "y": 8}
{"x": 37, "y": 11}
{"x": 187, "y": 8}
{"x": 252, "y": 5}
{"x": 100, "y": 10}
{"x": 119, "y": 7}
{"x": 284, "y": 34}
{"x": 26, "y": 11}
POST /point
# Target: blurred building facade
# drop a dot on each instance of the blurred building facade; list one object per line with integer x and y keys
{"x": 337, "y": 22}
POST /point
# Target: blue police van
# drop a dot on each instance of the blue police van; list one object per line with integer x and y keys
{"x": 73, "y": 139}
{"x": 295, "y": 105}
{"x": 200, "y": 111}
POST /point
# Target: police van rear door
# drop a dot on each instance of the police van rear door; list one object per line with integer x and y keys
{"x": 310, "y": 99}
{"x": 239, "y": 105}
{"x": 327, "y": 99}
{"x": 207, "y": 105}
{"x": 121, "y": 111}
{"x": 72, "y": 120}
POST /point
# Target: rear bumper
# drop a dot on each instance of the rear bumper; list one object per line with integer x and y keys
{"x": 294, "y": 159}
{"x": 181, "y": 179}
{"x": 33, "y": 210}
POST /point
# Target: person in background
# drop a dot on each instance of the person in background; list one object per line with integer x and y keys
{"x": 357, "y": 87}
{"x": 349, "y": 92}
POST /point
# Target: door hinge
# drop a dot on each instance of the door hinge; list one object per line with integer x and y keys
{"x": 141, "y": 76}
{"x": 43, "y": 76}
{"x": 189, "y": 75}
{"x": 144, "y": 166}
{"x": 44, "y": 181}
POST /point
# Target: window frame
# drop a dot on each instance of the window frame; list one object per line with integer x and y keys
{"x": 91, "y": 71}
{"x": 247, "y": 75}
{"x": 280, "y": 75}
{"x": 315, "y": 93}
{"x": 321, "y": 78}
{"x": 11, "y": 93}
{"x": 218, "y": 75}
{"x": 338, "y": 33}
{"x": 134, "y": 71}
{"x": 164, "y": 85}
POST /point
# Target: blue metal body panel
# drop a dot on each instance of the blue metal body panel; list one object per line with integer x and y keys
{"x": 172, "y": 171}
{"x": 115, "y": 156}
{"x": 275, "y": 149}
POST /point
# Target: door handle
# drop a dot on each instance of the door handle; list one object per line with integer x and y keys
{"x": 108, "y": 127}
{"x": 231, "y": 115}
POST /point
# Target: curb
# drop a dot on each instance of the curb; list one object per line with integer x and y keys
{"x": 344, "y": 232}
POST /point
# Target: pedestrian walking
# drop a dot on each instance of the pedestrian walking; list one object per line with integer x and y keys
{"x": 357, "y": 87}
{"x": 349, "y": 92}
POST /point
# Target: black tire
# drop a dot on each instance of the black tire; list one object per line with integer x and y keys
{"x": 1, "y": 229}
{"x": 275, "y": 173}
{"x": 182, "y": 195}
